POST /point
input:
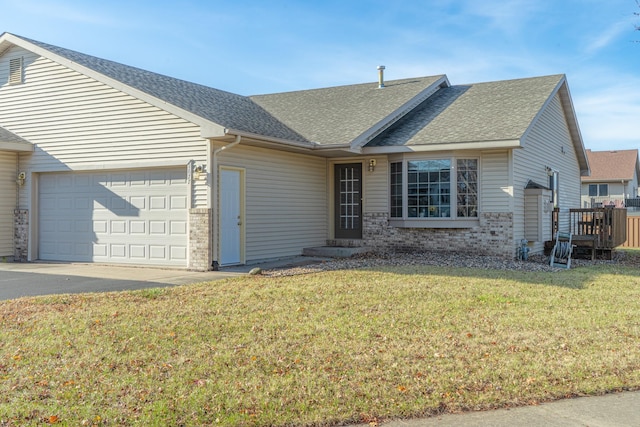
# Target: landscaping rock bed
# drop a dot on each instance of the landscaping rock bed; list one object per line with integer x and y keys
{"x": 440, "y": 259}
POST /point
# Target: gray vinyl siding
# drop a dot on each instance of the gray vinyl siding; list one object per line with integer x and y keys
{"x": 548, "y": 144}
{"x": 7, "y": 201}
{"x": 286, "y": 200}
{"x": 79, "y": 123}
{"x": 496, "y": 192}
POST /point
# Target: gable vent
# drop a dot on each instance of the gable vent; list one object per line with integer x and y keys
{"x": 15, "y": 71}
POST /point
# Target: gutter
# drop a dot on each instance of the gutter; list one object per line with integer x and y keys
{"x": 239, "y": 133}
{"x": 212, "y": 202}
{"x": 311, "y": 146}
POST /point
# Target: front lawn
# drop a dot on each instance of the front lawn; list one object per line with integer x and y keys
{"x": 320, "y": 349}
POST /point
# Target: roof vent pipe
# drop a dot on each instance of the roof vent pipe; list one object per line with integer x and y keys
{"x": 380, "y": 76}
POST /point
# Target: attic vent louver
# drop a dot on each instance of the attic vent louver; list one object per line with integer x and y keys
{"x": 15, "y": 71}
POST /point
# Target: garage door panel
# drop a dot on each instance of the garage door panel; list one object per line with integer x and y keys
{"x": 177, "y": 202}
{"x": 137, "y": 227}
{"x": 125, "y": 217}
{"x": 178, "y": 252}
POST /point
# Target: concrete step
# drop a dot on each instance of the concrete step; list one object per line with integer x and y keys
{"x": 334, "y": 251}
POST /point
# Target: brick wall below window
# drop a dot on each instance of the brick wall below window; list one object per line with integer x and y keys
{"x": 493, "y": 236}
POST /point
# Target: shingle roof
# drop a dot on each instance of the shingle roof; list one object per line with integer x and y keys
{"x": 12, "y": 142}
{"x": 343, "y": 113}
{"x": 612, "y": 165}
{"x": 6, "y": 136}
{"x": 224, "y": 108}
{"x": 493, "y": 111}
{"x": 326, "y": 116}
{"x": 404, "y": 113}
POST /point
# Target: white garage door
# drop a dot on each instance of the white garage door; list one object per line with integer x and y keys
{"x": 131, "y": 217}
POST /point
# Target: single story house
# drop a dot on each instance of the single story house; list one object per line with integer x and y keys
{"x": 613, "y": 179}
{"x": 103, "y": 162}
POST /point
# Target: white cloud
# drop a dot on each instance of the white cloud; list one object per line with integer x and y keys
{"x": 507, "y": 16}
{"x": 608, "y": 35}
{"x": 609, "y": 116}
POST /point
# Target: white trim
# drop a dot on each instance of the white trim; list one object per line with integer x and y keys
{"x": 143, "y": 164}
{"x": 433, "y": 223}
{"x": 307, "y": 145}
{"x": 452, "y": 221}
{"x": 16, "y": 146}
{"x": 473, "y": 145}
{"x": 243, "y": 203}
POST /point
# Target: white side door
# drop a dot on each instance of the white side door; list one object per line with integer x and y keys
{"x": 231, "y": 216}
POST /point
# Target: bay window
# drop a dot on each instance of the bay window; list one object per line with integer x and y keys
{"x": 430, "y": 189}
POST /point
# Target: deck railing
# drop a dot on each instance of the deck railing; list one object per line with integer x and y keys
{"x": 606, "y": 226}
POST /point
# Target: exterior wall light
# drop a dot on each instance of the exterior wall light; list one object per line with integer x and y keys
{"x": 22, "y": 176}
{"x": 372, "y": 165}
{"x": 198, "y": 171}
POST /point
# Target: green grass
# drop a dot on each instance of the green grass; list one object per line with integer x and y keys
{"x": 319, "y": 349}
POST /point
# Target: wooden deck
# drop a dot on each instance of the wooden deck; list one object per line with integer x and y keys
{"x": 593, "y": 230}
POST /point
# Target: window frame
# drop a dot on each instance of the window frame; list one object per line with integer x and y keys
{"x": 453, "y": 221}
{"x": 598, "y": 190}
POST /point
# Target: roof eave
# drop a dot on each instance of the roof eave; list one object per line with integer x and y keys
{"x": 269, "y": 139}
{"x": 16, "y": 146}
{"x": 467, "y": 145}
{"x": 591, "y": 179}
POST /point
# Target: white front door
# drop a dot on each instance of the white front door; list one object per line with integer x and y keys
{"x": 231, "y": 217}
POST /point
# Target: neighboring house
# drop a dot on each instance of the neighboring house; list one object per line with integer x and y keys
{"x": 127, "y": 166}
{"x": 613, "y": 179}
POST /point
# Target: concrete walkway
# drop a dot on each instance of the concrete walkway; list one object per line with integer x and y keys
{"x": 33, "y": 279}
{"x": 47, "y": 278}
{"x": 611, "y": 410}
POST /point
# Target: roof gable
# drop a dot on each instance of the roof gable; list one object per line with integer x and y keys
{"x": 480, "y": 112}
{"x": 350, "y": 114}
{"x": 481, "y": 115}
{"x": 616, "y": 165}
{"x": 197, "y": 103}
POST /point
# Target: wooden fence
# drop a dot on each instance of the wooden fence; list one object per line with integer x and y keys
{"x": 633, "y": 232}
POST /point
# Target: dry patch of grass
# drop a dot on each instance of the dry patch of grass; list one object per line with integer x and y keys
{"x": 319, "y": 349}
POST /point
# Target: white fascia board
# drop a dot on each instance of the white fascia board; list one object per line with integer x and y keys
{"x": 297, "y": 144}
{"x": 345, "y": 147}
{"x": 605, "y": 180}
{"x": 116, "y": 84}
{"x": 398, "y": 113}
{"x": 212, "y": 130}
{"x": 16, "y": 146}
{"x": 94, "y": 167}
{"x": 478, "y": 145}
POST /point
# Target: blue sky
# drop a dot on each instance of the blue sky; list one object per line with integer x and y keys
{"x": 264, "y": 46}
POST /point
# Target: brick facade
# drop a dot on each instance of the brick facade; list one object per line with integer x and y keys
{"x": 493, "y": 236}
{"x": 20, "y": 235}
{"x": 200, "y": 239}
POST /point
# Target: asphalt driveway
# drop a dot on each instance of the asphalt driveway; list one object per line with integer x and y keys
{"x": 32, "y": 279}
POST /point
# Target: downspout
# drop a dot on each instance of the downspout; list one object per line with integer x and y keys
{"x": 212, "y": 203}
